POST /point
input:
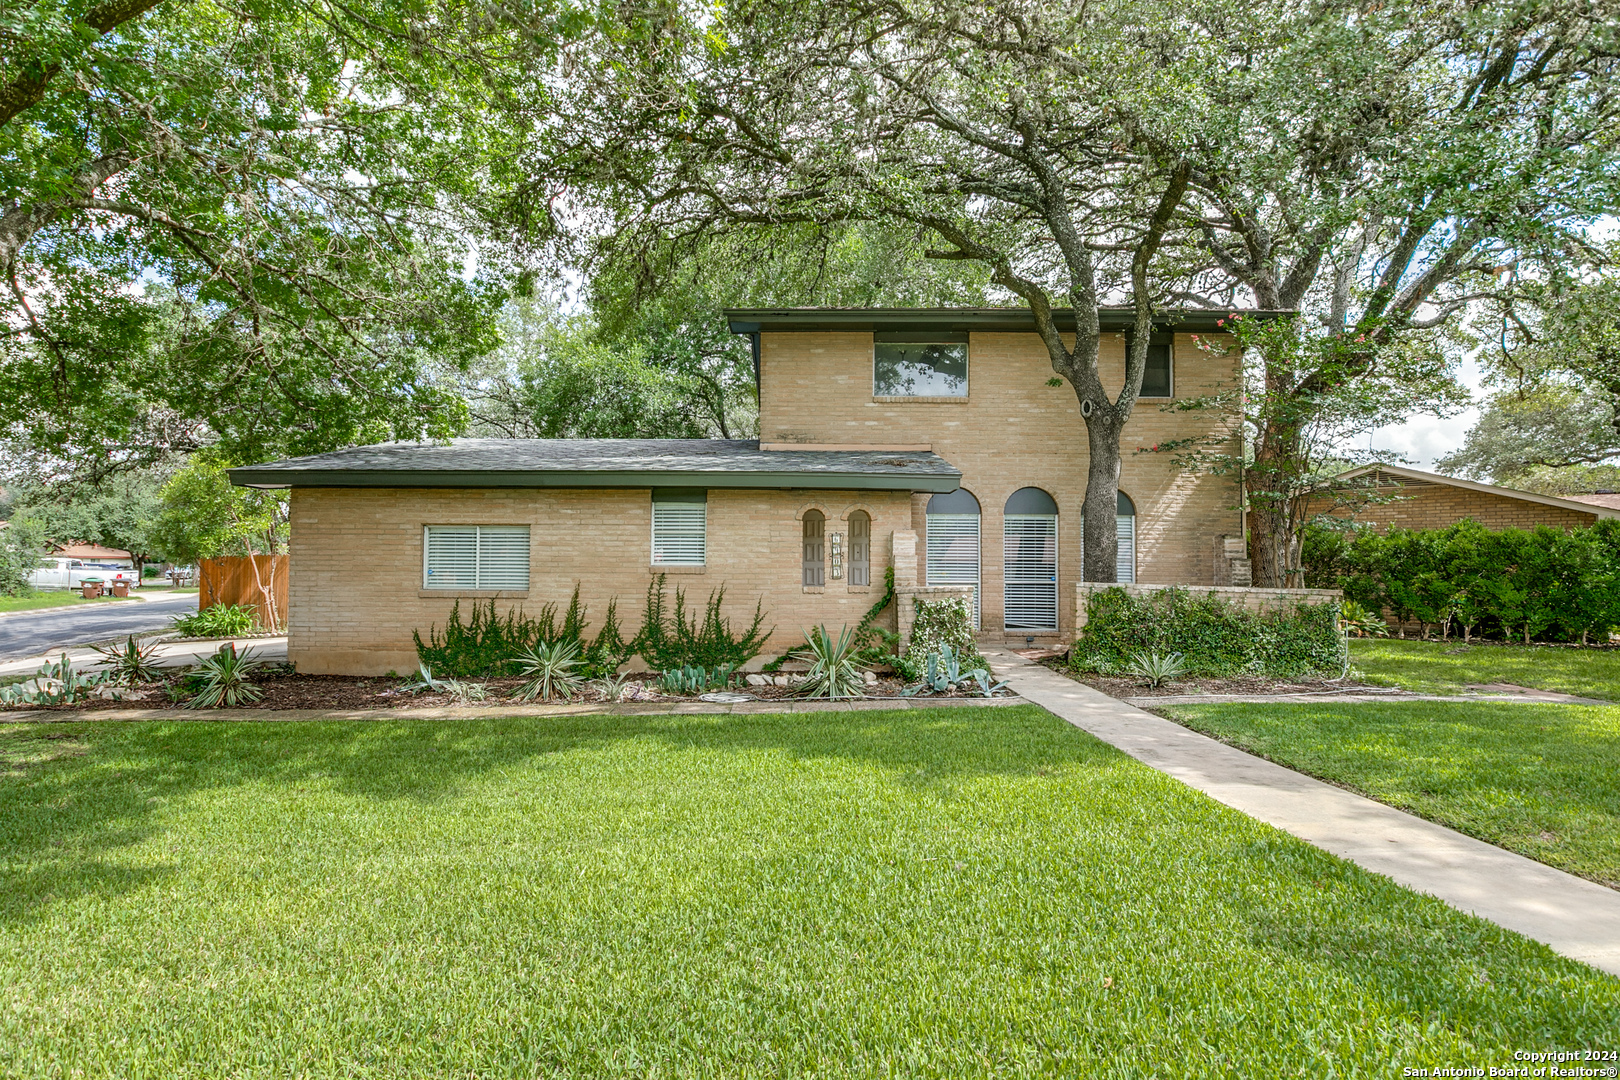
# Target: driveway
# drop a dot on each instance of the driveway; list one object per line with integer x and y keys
{"x": 29, "y": 633}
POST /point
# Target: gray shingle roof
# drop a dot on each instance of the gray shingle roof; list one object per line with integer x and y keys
{"x": 707, "y": 463}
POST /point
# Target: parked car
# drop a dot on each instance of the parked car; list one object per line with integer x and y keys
{"x": 70, "y": 574}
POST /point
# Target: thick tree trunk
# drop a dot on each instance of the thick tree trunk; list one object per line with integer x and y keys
{"x": 1100, "y": 534}
{"x": 1275, "y": 510}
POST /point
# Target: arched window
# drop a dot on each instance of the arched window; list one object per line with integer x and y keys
{"x": 860, "y": 548}
{"x": 1125, "y": 530}
{"x": 1125, "y": 527}
{"x": 953, "y": 542}
{"x": 815, "y": 529}
{"x": 1029, "y": 561}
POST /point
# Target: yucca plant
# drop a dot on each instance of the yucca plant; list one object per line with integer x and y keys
{"x": 131, "y": 663}
{"x": 833, "y": 672}
{"x": 1156, "y": 667}
{"x": 222, "y": 680}
{"x": 424, "y": 682}
{"x": 465, "y": 692}
{"x": 548, "y": 670}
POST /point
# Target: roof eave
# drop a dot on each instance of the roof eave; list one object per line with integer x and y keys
{"x": 1487, "y": 489}
{"x": 251, "y": 476}
{"x": 983, "y": 320}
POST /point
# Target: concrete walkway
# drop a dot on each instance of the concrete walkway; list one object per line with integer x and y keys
{"x": 1571, "y": 915}
{"x": 168, "y": 654}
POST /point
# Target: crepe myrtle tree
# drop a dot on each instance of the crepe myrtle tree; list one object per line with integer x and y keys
{"x": 1385, "y": 170}
{"x": 1009, "y": 136}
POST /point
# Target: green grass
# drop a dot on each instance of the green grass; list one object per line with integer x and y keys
{"x": 924, "y": 893}
{"x": 36, "y": 601}
{"x": 1434, "y": 667}
{"x": 1542, "y": 780}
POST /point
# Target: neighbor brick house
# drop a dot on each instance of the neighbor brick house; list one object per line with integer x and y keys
{"x": 927, "y": 441}
{"x": 1413, "y": 499}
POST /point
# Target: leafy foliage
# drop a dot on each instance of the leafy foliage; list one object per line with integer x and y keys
{"x": 200, "y": 514}
{"x": 943, "y": 624}
{"x": 222, "y": 680}
{"x": 1544, "y": 584}
{"x": 1359, "y": 621}
{"x": 548, "y": 670}
{"x": 216, "y": 621}
{"x": 22, "y": 547}
{"x": 1215, "y": 637}
{"x": 486, "y": 644}
{"x": 672, "y": 637}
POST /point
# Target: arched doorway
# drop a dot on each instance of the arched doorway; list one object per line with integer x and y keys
{"x": 953, "y": 542}
{"x": 1029, "y": 576}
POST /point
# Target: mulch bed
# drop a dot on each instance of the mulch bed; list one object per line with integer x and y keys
{"x": 345, "y": 692}
{"x": 1128, "y": 687}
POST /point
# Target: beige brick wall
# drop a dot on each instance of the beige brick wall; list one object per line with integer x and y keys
{"x": 1014, "y": 431}
{"x": 1440, "y": 505}
{"x": 356, "y": 565}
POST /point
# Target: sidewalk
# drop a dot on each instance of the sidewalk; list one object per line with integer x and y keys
{"x": 1571, "y": 915}
{"x": 171, "y": 654}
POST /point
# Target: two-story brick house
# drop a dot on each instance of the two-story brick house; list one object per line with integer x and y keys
{"x": 933, "y": 441}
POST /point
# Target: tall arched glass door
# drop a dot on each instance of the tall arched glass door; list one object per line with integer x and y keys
{"x": 1125, "y": 529}
{"x": 1029, "y": 561}
{"x": 953, "y": 542}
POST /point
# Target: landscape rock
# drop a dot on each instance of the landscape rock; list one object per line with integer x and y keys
{"x": 757, "y": 679}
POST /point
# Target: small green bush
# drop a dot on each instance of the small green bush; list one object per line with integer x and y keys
{"x": 678, "y": 639}
{"x": 940, "y": 623}
{"x": 220, "y": 620}
{"x": 486, "y": 644}
{"x": 1217, "y": 638}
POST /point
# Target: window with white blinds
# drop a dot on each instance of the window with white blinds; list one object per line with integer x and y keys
{"x": 1029, "y": 571}
{"x": 476, "y": 557}
{"x": 953, "y": 553}
{"x": 679, "y": 528}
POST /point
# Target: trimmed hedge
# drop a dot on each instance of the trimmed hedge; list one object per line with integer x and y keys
{"x": 1215, "y": 637}
{"x": 1526, "y": 585}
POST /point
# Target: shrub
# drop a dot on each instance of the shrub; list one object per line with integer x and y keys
{"x": 220, "y": 620}
{"x": 222, "y": 679}
{"x": 1216, "y": 638}
{"x": 131, "y": 663}
{"x": 1515, "y": 584}
{"x": 677, "y": 639}
{"x": 548, "y": 671}
{"x": 940, "y": 623}
{"x": 486, "y": 643}
{"x": 833, "y": 665}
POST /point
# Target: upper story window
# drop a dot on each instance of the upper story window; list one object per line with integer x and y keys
{"x": 680, "y": 526}
{"x": 476, "y": 557}
{"x": 1158, "y": 379}
{"x": 933, "y": 368}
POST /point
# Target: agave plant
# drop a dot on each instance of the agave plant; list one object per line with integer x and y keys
{"x": 222, "y": 680}
{"x": 424, "y": 682}
{"x": 464, "y": 692}
{"x": 986, "y": 682}
{"x": 613, "y": 686}
{"x": 131, "y": 663}
{"x": 548, "y": 671}
{"x": 833, "y": 672}
{"x": 1156, "y": 667}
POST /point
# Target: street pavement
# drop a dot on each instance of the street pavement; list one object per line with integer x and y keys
{"x": 32, "y": 633}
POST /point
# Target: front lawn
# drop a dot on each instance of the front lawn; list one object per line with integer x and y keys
{"x": 37, "y": 601}
{"x": 1542, "y": 780}
{"x": 1438, "y": 667}
{"x": 923, "y": 893}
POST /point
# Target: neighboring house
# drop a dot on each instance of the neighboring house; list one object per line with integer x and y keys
{"x": 929, "y": 441}
{"x": 1425, "y": 500}
{"x": 94, "y": 553}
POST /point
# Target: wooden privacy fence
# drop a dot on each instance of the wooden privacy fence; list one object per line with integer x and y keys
{"x": 259, "y": 582}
